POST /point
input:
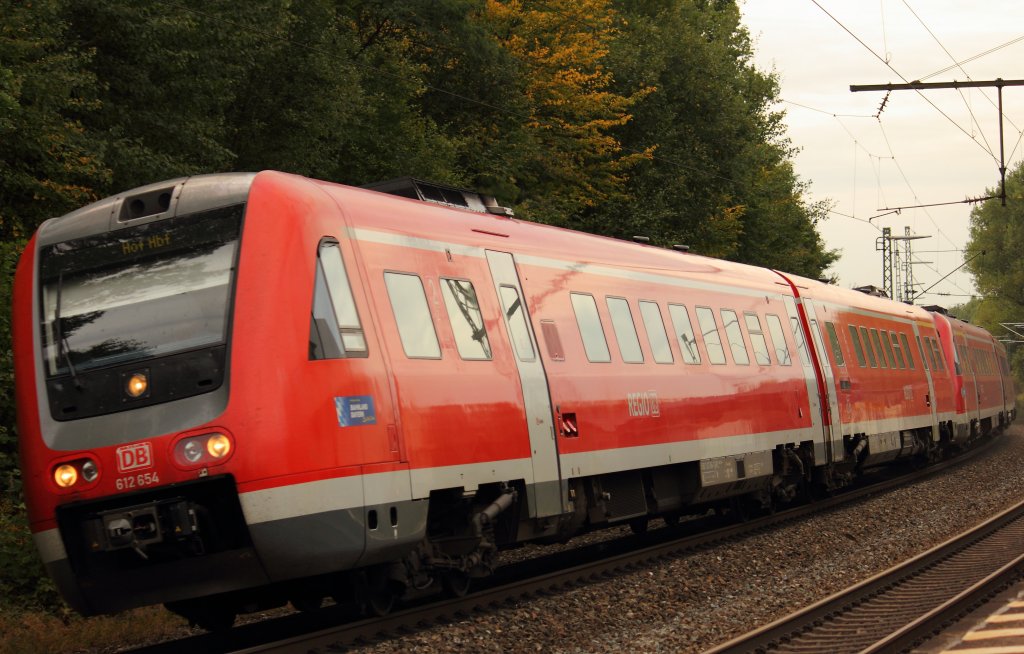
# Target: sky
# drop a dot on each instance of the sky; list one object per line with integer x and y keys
{"x": 927, "y": 147}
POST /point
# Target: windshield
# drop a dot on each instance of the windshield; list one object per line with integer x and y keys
{"x": 140, "y": 292}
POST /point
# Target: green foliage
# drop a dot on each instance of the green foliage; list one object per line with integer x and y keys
{"x": 619, "y": 117}
{"x": 993, "y": 255}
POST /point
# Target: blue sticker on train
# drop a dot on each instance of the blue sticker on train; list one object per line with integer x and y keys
{"x": 355, "y": 410}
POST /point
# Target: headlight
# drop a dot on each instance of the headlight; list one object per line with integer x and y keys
{"x": 89, "y": 471}
{"x": 137, "y": 384}
{"x": 65, "y": 475}
{"x": 207, "y": 449}
{"x": 192, "y": 451}
{"x": 218, "y": 446}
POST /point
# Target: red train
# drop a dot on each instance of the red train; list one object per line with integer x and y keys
{"x": 236, "y": 390}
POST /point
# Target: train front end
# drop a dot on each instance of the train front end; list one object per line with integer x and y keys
{"x": 122, "y": 315}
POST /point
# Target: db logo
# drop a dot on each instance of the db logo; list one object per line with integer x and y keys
{"x": 134, "y": 457}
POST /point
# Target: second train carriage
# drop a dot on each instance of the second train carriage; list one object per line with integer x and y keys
{"x": 245, "y": 388}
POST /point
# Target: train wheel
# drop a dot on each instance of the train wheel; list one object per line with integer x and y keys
{"x": 379, "y": 602}
{"x": 204, "y": 615}
{"x": 456, "y": 583}
{"x": 639, "y": 525}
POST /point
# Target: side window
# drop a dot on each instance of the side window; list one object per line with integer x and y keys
{"x": 858, "y": 347}
{"x": 779, "y": 340}
{"x": 655, "y": 328}
{"x": 585, "y": 308}
{"x": 906, "y": 350}
{"x": 335, "y": 331}
{"x": 412, "y": 315}
{"x": 833, "y": 340}
{"x": 757, "y": 341}
{"x": 684, "y": 330}
{"x": 878, "y": 347}
{"x": 888, "y": 349}
{"x": 625, "y": 330}
{"x": 924, "y": 357}
{"x": 816, "y": 336}
{"x": 937, "y": 359}
{"x": 897, "y": 350}
{"x": 801, "y": 346}
{"x": 467, "y": 322}
{"x": 712, "y": 339}
{"x": 515, "y": 316}
{"x": 867, "y": 346}
{"x": 735, "y": 336}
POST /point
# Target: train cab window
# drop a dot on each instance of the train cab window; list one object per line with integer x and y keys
{"x": 897, "y": 350}
{"x": 757, "y": 340}
{"x": 868, "y": 347}
{"x": 412, "y": 315}
{"x": 335, "y": 331}
{"x": 779, "y": 340}
{"x": 589, "y": 322}
{"x": 712, "y": 339}
{"x": 467, "y": 322}
{"x": 920, "y": 350}
{"x": 816, "y": 336}
{"x": 735, "y": 336}
{"x": 515, "y": 317}
{"x": 906, "y": 350}
{"x": 801, "y": 346}
{"x": 833, "y": 340}
{"x": 625, "y": 330}
{"x": 878, "y": 348}
{"x": 655, "y": 328}
{"x": 858, "y": 347}
{"x": 684, "y": 330}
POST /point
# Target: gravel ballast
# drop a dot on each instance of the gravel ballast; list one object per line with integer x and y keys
{"x": 698, "y": 600}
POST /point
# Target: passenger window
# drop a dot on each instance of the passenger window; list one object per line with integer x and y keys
{"x": 920, "y": 350}
{"x": 779, "y": 340}
{"x": 816, "y": 336}
{"x": 467, "y": 322}
{"x": 684, "y": 330}
{"x": 906, "y": 351}
{"x": 870, "y": 348}
{"x": 735, "y": 336}
{"x": 412, "y": 315}
{"x": 515, "y": 317}
{"x": 878, "y": 348}
{"x": 888, "y": 349}
{"x": 625, "y": 330}
{"x": 858, "y": 348}
{"x": 801, "y": 346}
{"x": 335, "y": 331}
{"x": 937, "y": 359}
{"x": 897, "y": 350}
{"x": 833, "y": 339}
{"x": 757, "y": 341}
{"x": 712, "y": 339}
{"x": 585, "y": 308}
{"x": 650, "y": 313}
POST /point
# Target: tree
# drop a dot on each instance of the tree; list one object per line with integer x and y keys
{"x": 720, "y": 179}
{"x": 993, "y": 257}
{"x": 49, "y": 163}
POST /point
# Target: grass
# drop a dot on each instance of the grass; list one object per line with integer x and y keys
{"x": 43, "y": 633}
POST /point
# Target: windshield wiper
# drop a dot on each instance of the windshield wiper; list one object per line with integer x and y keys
{"x": 62, "y": 351}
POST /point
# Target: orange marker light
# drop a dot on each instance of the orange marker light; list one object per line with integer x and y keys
{"x": 137, "y": 385}
{"x": 65, "y": 475}
{"x": 218, "y": 446}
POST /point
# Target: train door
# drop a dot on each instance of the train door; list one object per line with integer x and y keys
{"x": 932, "y": 400}
{"x": 833, "y": 428}
{"x": 544, "y": 496}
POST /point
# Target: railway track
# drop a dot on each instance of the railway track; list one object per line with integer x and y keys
{"x": 906, "y": 605}
{"x": 331, "y": 628}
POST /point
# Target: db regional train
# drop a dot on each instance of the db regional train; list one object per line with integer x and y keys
{"x": 239, "y": 390}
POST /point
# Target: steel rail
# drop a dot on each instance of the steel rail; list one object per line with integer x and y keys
{"x": 901, "y": 607}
